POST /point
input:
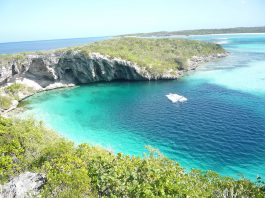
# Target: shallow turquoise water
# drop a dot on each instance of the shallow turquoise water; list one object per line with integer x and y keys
{"x": 221, "y": 127}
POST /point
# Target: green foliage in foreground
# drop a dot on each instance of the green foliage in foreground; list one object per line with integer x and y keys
{"x": 155, "y": 54}
{"x": 84, "y": 170}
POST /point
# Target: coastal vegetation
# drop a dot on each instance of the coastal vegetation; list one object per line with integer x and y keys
{"x": 16, "y": 88}
{"x": 13, "y": 92}
{"x": 156, "y": 55}
{"x": 84, "y": 170}
{"x": 5, "y": 101}
{"x": 201, "y": 32}
{"x": 5, "y": 58}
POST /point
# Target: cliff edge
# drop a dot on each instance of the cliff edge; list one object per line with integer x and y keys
{"x": 117, "y": 59}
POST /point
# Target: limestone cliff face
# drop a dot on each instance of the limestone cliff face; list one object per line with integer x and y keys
{"x": 75, "y": 67}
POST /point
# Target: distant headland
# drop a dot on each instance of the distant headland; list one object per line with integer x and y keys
{"x": 235, "y": 30}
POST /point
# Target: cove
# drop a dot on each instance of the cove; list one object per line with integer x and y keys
{"x": 221, "y": 127}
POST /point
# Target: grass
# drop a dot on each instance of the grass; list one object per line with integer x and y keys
{"x": 5, "y": 102}
{"x": 5, "y": 58}
{"x": 154, "y": 54}
{"x": 87, "y": 171}
{"x": 11, "y": 92}
{"x": 15, "y": 88}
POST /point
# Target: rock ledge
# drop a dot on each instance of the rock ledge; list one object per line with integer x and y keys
{"x": 25, "y": 185}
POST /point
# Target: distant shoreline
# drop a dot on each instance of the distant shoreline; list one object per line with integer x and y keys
{"x": 197, "y": 32}
{"x": 222, "y": 34}
{"x": 191, "y": 35}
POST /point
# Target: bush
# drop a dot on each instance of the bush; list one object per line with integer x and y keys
{"x": 14, "y": 88}
{"x": 21, "y": 143}
{"x": 11, "y": 93}
{"x": 84, "y": 170}
{"x": 5, "y": 102}
{"x": 159, "y": 55}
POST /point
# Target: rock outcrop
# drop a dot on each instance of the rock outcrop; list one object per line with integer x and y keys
{"x": 77, "y": 68}
{"x": 25, "y": 185}
{"x": 42, "y": 72}
{"x": 74, "y": 68}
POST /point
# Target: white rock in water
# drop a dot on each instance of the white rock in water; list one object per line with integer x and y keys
{"x": 176, "y": 98}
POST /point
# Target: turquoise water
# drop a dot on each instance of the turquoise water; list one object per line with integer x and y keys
{"x": 221, "y": 127}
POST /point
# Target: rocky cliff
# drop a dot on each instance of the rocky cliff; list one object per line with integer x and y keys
{"x": 40, "y": 72}
{"x": 77, "y": 68}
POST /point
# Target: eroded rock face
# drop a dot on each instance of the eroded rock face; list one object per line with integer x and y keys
{"x": 25, "y": 185}
{"x": 5, "y": 73}
{"x": 75, "y": 67}
{"x": 81, "y": 69}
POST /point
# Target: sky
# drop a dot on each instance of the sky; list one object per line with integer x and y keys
{"x": 27, "y": 20}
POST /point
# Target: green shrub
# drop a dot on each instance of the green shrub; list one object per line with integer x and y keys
{"x": 158, "y": 55}
{"x": 87, "y": 171}
{"x": 5, "y": 102}
{"x": 21, "y": 143}
{"x": 14, "y": 88}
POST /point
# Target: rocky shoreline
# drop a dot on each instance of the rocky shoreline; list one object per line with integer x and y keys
{"x": 60, "y": 70}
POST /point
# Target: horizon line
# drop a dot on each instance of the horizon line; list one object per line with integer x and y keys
{"x": 137, "y": 33}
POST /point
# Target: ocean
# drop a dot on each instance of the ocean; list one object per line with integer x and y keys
{"x": 221, "y": 127}
{"x": 31, "y": 46}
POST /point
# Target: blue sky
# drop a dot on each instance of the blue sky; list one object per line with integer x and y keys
{"x": 22, "y": 20}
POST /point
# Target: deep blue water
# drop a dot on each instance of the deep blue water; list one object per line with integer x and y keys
{"x": 221, "y": 127}
{"x": 29, "y": 46}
